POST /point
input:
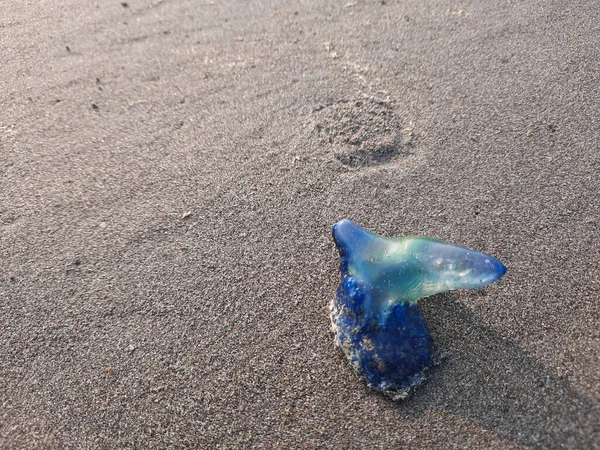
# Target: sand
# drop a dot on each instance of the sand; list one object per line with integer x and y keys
{"x": 170, "y": 171}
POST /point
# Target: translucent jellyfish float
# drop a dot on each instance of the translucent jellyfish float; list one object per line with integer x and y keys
{"x": 374, "y": 314}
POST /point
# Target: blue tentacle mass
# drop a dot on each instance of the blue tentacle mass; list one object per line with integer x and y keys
{"x": 374, "y": 314}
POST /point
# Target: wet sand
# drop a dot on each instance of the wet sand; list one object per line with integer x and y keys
{"x": 170, "y": 171}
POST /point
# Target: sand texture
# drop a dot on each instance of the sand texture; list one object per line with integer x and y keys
{"x": 169, "y": 174}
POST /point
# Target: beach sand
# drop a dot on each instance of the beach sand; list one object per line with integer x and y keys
{"x": 169, "y": 174}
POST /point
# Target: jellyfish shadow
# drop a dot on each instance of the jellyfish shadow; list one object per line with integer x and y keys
{"x": 498, "y": 386}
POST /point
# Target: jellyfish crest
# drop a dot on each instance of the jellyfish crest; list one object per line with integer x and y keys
{"x": 392, "y": 271}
